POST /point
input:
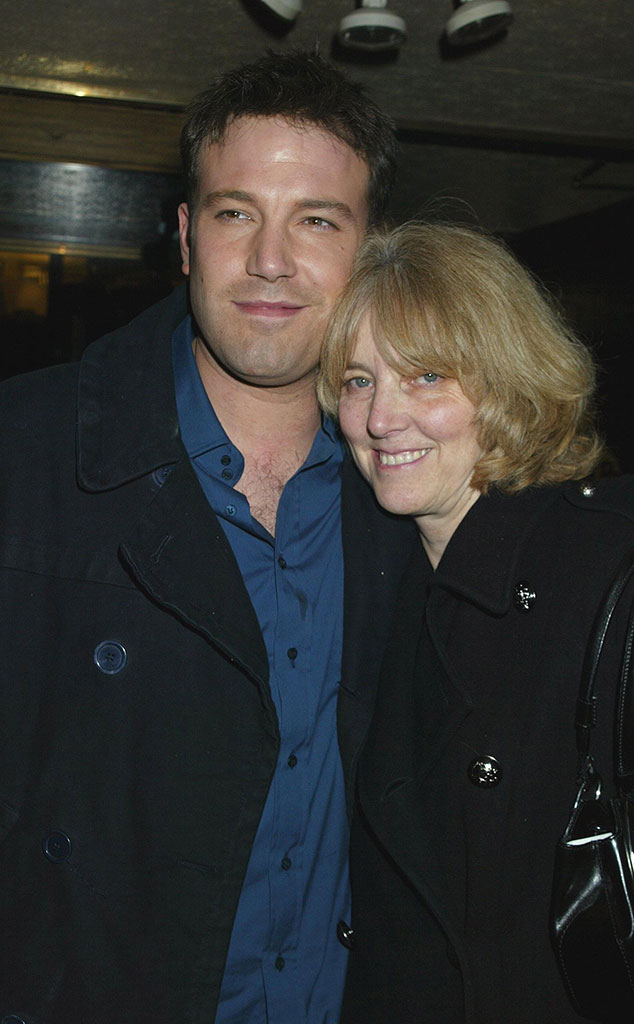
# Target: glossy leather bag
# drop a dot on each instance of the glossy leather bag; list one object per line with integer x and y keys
{"x": 592, "y": 911}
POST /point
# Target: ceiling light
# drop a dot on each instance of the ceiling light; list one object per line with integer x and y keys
{"x": 287, "y": 9}
{"x": 372, "y": 27}
{"x": 476, "y": 20}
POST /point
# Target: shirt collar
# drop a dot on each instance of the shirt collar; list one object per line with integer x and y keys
{"x": 200, "y": 428}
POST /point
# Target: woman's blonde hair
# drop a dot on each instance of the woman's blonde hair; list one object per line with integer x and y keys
{"x": 451, "y": 300}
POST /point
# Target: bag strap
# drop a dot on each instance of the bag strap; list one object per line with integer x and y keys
{"x": 585, "y": 718}
{"x": 624, "y": 738}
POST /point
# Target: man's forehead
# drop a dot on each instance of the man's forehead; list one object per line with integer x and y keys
{"x": 260, "y": 143}
{"x": 241, "y": 127}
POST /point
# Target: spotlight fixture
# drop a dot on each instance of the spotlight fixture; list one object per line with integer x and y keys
{"x": 287, "y": 9}
{"x": 477, "y": 20}
{"x": 372, "y": 27}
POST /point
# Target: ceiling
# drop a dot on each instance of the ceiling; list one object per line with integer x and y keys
{"x": 536, "y": 127}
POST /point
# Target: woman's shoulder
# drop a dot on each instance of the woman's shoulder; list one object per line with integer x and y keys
{"x": 589, "y": 526}
{"x": 608, "y": 495}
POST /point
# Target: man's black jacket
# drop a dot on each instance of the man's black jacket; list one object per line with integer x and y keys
{"x": 138, "y": 736}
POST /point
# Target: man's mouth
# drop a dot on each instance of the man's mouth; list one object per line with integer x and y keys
{"x": 270, "y": 309}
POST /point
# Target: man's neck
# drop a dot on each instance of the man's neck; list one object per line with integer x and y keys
{"x": 274, "y": 429}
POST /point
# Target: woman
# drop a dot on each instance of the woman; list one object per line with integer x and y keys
{"x": 468, "y": 406}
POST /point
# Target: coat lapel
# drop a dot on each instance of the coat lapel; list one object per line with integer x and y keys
{"x": 180, "y": 556}
{"x": 127, "y": 427}
{"x": 376, "y": 549}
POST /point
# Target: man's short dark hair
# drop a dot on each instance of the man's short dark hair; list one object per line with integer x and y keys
{"x": 302, "y": 88}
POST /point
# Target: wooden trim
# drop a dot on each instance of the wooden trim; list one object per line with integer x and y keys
{"x": 139, "y": 138}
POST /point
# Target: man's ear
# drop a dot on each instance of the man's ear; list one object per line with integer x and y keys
{"x": 184, "y": 234}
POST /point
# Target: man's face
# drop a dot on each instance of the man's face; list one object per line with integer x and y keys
{"x": 280, "y": 212}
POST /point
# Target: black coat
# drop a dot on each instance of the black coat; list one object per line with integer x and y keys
{"x": 138, "y": 735}
{"x": 451, "y": 876}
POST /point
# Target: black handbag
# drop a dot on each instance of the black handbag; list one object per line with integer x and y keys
{"x": 592, "y": 910}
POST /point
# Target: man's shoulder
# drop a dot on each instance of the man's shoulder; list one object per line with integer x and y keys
{"x": 37, "y": 395}
{"x": 159, "y": 320}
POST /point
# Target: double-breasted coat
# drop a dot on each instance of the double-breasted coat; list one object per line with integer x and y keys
{"x": 467, "y": 776}
{"x": 138, "y": 735}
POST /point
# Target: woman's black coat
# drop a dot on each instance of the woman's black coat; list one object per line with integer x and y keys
{"x": 467, "y": 775}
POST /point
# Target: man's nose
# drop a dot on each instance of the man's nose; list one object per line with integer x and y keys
{"x": 270, "y": 254}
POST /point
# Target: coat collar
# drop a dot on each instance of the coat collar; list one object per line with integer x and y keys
{"x": 481, "y": 559}
{"x": 129, "y": 370}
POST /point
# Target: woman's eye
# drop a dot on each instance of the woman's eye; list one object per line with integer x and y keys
{"x": 428, "y": 378}
{"x": 355, "y": 383}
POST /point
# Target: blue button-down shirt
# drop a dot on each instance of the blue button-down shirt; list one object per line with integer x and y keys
{"x": 285, "y": 964}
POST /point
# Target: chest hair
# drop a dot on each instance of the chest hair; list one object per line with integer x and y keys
{"x": 263, "y": 480}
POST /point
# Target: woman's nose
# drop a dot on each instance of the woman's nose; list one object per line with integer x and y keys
{"x": 387, "y": 413}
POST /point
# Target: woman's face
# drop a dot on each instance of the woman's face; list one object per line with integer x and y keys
{"x": 414, "y": 440}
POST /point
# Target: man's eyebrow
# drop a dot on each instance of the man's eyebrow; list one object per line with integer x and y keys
{"x": 231, "y": 193}
{"x": 333, "y": 205}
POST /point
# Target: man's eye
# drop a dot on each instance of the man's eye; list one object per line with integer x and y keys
{"x": 320, "y": 222}
{"x": 232, "y": 215}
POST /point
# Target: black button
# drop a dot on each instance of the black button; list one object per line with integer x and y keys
{"x": 292, "y": 761}
{"x": 286, "y": 863}
{"x": 226, "y": 460}
{"x": 227, "y": 474}
{"x": 281, "y": 562}
{"x": 280, "y": 963}
{"x": 110, "y": 657}
{"x": 345, "y": 934}
{"x": 12, "y": 1018}
{"x": 524, "y": 596}
{"x": 57, "y": 847}
{"x": 485, "y": 771}
{"x": 292, "y": 653}
{"x": 160, "y": 475}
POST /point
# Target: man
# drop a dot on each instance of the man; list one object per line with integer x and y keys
{"x": 181, "y": 667}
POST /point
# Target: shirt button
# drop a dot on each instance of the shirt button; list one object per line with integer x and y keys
{"x": 292, "y": 653}
{"x": 227, "y": 474}
{"x": 280, "y": 963}
{"x": 281, "y": 562}
{"x": 57, "y": 847}
{"x": 231, "y": 510}
{"x": 286, "y": 863}
{"x": 226, "y": 460}
{"x": 110, "y": 657}
{"x": 345, "y": 934}
{"x": 292, "y": 761}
